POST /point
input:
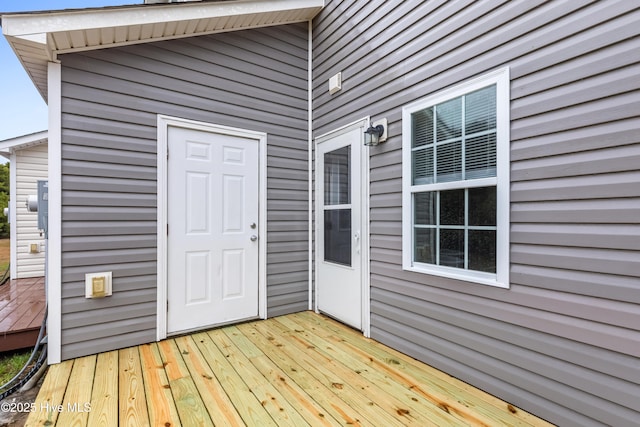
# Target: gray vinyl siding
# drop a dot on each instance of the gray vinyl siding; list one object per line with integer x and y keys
{"x": 254, "y": 80}
{"x": 564, "y": 341}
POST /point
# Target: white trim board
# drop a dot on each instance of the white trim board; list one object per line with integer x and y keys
{"x": 53, "y": 274}
{"x": 163, "y": 126}
{"x": 13, "y": 215}
{"x": 310, "y": 160}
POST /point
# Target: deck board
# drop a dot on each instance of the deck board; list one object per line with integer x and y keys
{"x": 50, "y": 395}
{"x": 248, "y": 404}
{"x": 333, "y": 375}
{"x": 219, "y": 405}
{"x": 22, "y": 307}
{"x": 448, "y": 393}
{"x": 440, "y": 390}
{"x": 270, "y": 397}
{"x": 191, "y": 408}
{"x": 294, "y": 370}
{"x": 295, "y": 394}
{"x": 390, "y": 393}
{"x": 160, "y": 403}
{"x": 104, "y": 412}
{"x": 132, "y": 404}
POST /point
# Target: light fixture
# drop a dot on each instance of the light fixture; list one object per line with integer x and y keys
{"x": 373, "y": 134}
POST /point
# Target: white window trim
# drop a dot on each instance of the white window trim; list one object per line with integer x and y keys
{"x": 501, "y": 79}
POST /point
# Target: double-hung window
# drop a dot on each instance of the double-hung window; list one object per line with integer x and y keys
{"x": 456, "y": 182}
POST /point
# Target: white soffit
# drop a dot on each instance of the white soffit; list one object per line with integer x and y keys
{"x": 38, "y": 37}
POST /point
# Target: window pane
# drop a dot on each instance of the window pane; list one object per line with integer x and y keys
{"x": 452, "y": 248}
{"x": 422, "y": 127}
{"x": 336, "y": 177}
{"x": 480, "y": 156}
{"x": 425, "y": 208}
{"x": 449, "y": 158}
{"x": 337, "y": 236}
{"x": 423, "y": 166}
{"x": 452, "y": 207}
{"x": 482, "y": 250}
{"x": 449, "y": 119}
{"x": 425, "y": 245}
{"x": 454, "y": 141}
{"x": 480, "y": 110}
{"x": 482, "y": 206}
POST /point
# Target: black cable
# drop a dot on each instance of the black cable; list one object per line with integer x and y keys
{"x": 24, "y": 380}
{"x": 10, "y": 386}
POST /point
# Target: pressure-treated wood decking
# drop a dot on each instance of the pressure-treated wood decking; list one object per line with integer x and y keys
{"x": 295, "y": 370}
{"x": 22, "y": 303}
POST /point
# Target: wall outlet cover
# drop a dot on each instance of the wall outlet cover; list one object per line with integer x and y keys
{"x": 98, "y": 285}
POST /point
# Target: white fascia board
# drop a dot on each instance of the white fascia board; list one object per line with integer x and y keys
{"x": 23, "y": 141}
{"x": 84, "y": 19}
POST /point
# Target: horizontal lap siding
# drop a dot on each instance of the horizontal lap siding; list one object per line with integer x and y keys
{"x": 250, "y": 79}
{"x": 31, "y": 166}
{"x": 564, "y": 341}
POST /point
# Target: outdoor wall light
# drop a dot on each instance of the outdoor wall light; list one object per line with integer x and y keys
{"x": 375, "y": 134}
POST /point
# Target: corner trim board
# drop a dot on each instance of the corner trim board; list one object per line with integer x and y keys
{"x": 310, "y": 158}
{"x": 13, "y": 215}
{"x": 53, "y": 281}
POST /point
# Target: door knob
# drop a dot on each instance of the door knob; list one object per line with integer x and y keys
{"x": 254, "y": 238}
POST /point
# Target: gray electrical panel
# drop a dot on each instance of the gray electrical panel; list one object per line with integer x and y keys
{"x": 43, "y": 206}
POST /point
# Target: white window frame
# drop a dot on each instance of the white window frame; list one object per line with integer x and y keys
{"x": 501, "y": 79}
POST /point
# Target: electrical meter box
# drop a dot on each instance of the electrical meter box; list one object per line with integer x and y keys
{"x": 43, "y": 206}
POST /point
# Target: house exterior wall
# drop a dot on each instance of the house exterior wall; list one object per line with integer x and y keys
{"x": 255, "y": 80}
{"x": 31, "y": 166}
{"x": 564, "y": 341}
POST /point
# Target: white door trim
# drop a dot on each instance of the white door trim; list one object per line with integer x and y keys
{"x": 162, "y": 163}
{"x": 364, "y": 226}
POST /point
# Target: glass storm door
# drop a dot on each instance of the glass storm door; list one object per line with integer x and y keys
{"x": 339, "y": 287}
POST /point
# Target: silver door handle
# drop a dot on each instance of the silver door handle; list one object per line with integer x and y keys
{"x": 254, "y": 238}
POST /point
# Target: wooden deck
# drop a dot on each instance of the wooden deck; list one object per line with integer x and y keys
{"x": 295, "y": 370}
{"x": 22, "y": 304}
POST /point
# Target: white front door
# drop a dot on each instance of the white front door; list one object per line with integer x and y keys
{"x": 339, "y": 219}
{"x": 212, "y": 217}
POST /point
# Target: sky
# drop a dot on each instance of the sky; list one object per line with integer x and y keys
{"x": 22, "y": 109}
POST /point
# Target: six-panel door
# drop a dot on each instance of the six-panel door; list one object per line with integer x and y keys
{"x": 212, "y": 235}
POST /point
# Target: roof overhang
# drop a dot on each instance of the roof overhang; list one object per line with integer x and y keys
{"x": 39, "y": 37}
{"x": 11, "y": 145}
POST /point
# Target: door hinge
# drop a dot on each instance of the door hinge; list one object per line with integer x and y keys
{"x": 167, "y": 229}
